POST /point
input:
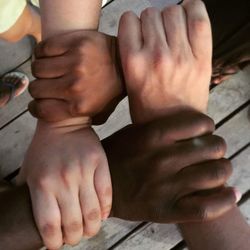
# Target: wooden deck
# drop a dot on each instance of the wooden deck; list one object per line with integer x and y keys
{"x": 229, "y": 107}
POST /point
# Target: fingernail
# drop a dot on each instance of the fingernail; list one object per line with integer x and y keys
{"x": 238, "y": 195}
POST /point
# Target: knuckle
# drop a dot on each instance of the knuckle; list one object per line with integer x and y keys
{"x": 76, "y": 84}
{"x": 50, "y": 229}
{"x": 205, "y": 124}
{"x": 46, "y": 46}
{"x": 224, "y": 169}
{"x": 78, "y": 108}
{"x": 42, "y": 183}
{"x": 181, "y": 61}
{"x": 160, "y": 59}
{"x": 126, "y": 15}
{"x": 94, "y": 214}
{"x": 148, "y": 12}
{"x": 74, "y": 227}
{"x": 66, "y": 176}
{"x": 202, "y": 212}
{"x": 40, "y": 110}
{"x": 161, "y": 162}
{"x": 219, "y": 147}
{"x": 172, "y": 10}
{"x": 219, "y": 173}
{"x": 79, "y": 65}
{"x": 200, "y": 25}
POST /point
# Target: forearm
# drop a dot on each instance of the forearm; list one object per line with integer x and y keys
{"x": 229, "y": 232}
{"x": 17, "y": 226}
{"x": 59, "y": 17}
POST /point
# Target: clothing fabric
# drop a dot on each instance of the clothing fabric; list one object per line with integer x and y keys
{"x": 11, "y": 10}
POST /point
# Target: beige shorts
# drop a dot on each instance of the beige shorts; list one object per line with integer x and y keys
{"x": 11, "y": 10}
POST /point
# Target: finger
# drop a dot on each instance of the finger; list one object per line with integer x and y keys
{"x": 48, "y": 218}
{"x": 175, "y": 25}
{"x": 60, "y": 88}
{"x": 129, "y": 34}
{"x": 52, "y": 67}
{"x": 208, "y": 175}
{"x": 206, "y": 207}
{"x": 103, "y": 189}
{"x": 50, "y": 110}
{"x": 191, "y": 152}
{"x": 178, "y": 125}
{"x": 90, "y": 206}
{"x": 71, "y": 215}
{"x": 153, "y": 29}
{"x": 57, "y": 45}
{"x": 199, "y": 29}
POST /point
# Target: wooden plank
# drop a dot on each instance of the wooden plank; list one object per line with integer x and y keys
{"x": 236, "y": 131}
{"x": 111, "y": 14}
{"x": 163, "y": 3}
{"x": 14, "y": 54}
{"x": 235, "y": 91}
{"x": 19, "y": 104}
{"x": 245, "y": 209}
{"x": 160, "y": 236}
{"x": 111, "y": 232}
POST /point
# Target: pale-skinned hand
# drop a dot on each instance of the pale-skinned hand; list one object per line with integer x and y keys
{"x": 68, "y": 176}
{"x": 166, "y": 58}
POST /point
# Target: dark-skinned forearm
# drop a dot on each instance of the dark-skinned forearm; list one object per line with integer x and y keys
{"x": 229, "y": 232}
{"x": 17, "y": 226}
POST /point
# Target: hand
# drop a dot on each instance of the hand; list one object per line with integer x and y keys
{"x": 170, "y": 170}
{"x": 166, "y": 59}
{"x": 85, "y": 73}
{"x": 69, "y": 181}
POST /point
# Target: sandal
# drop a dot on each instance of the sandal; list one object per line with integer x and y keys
{"x": 12, "y": 85}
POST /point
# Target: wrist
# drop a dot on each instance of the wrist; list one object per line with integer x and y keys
{"x": 66, "y": 126}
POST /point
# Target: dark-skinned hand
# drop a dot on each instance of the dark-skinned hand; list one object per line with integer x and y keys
{"x": 84, "y": 66}
{"x": 170, "y": 170}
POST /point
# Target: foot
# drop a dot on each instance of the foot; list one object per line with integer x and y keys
{"x": 12, "y": 85}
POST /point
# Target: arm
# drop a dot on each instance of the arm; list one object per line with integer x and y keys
{"x": 65, "y": 166}
{"x": 58, "y": 18}
{"x": 230, "y": 232}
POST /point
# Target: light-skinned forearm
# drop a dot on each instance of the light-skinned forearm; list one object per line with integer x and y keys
{"x": 63, "y": 16}
{"x": 229, "y": 232}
